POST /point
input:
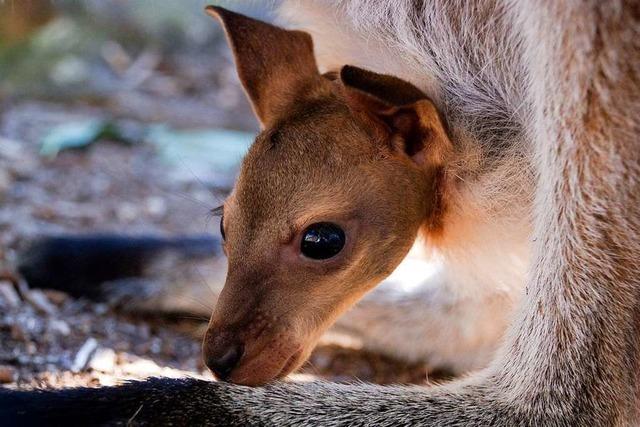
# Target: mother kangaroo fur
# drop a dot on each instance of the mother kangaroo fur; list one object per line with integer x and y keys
{"x": 544, "y": 92}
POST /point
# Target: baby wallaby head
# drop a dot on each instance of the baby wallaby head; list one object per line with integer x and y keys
{"x": 329, "y": 198}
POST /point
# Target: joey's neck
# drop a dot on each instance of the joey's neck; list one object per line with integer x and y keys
{"x": 483, "y": 229}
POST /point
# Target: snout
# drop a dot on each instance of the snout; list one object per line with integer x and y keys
{"x": 241, "y": 358}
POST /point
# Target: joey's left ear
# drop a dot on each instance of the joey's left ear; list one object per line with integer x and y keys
{"x": 399, "y": 112}
{"x": 277, "y": 67}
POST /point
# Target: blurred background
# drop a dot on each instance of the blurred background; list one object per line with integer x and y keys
{"x": 123, "y": 118}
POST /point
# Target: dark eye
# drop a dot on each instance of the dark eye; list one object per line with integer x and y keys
{"x": 222, "y": 227}
{"x": 322, "y": 241}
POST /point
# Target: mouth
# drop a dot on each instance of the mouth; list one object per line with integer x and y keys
{"x": 266, "y": 366}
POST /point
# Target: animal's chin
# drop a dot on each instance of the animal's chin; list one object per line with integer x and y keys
{"x": 264, "y": 368}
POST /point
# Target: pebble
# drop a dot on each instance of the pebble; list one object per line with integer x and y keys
{"x": 40, "y": 302}
{"x": 142, "y": 367}
{"x": 5, "y": 181}
{"x": 156, "y": 206}
{"x": 11, "y": 149}
{"x": 8, "y": 295}
{"x": 144, "y": 331}
{"x": 7, "y": 374}
{"x": 31, "y": 348}
{"x": 58, "y": 298}
{"x": 84, "y": 354}
{"x": 103, "y": 360}
{"x": 156, "y": 345}
{"x": 36, "y": 298}
{"x": 18, "y": 333}
{"x": 127, "y": 212}
{"x": 60, "y": 327}
{"x": 100, "y": 309}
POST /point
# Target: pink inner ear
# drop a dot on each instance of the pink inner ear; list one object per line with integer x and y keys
{"x": 368, "y": 109}
{"x": 399, "y": 126}
{"x": 413, "y": 129}
{"x": 405, "y": 124}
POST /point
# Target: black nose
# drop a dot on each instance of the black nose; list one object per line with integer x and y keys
{"x": 222, "y": 362}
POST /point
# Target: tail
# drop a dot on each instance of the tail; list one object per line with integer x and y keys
{"x": 79, "y": 264}
{"x": 157, "y": 401}
{"x": 193, "y": 402}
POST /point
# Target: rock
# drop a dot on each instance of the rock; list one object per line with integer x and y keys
{"x": 127, "y": 212}
{"x": 36, "y": 298}
{"x": 84, "y": 354}
{"x": 143, "y": 331}
{"x": 11, "y": 150}
{"x": 31, "y": 349}
{"x": 40, "y": 302}
{"x": 58, "y": 298}
{"x": 103, "y": 360}
{"x": 5, "y": 181}
{"x": 156, "y": 206}
{"x": 8, "y": 374}
{"x": 156, "y": 345}
{"x": 143, "y": 368}
{"x": 18, "y": 333}
{"x": 59, "y": 327}
{"x": 100, "y": 309}
{"x": 8, "y": 296}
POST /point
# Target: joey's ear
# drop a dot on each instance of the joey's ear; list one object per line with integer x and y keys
{"x": 400, "y": 112}
{"x": 275, "y": 65}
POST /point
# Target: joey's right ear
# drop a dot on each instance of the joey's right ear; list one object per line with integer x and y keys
{"x": 275, "y": 66}
{"x": 400, "y": 112}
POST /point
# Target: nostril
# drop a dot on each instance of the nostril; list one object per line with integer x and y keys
{"x": 222, "y": 363}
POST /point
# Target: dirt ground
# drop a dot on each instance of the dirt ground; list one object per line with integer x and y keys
{"x": 48, "y": 338}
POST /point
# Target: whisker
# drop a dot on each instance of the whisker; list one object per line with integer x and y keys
{"x": 200, "y": 181}
{"x": 209, "y": 308}
{"x": 192, "y": 317}
{"x": 113, "y": 173}
{"x": 208, "y": 285}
